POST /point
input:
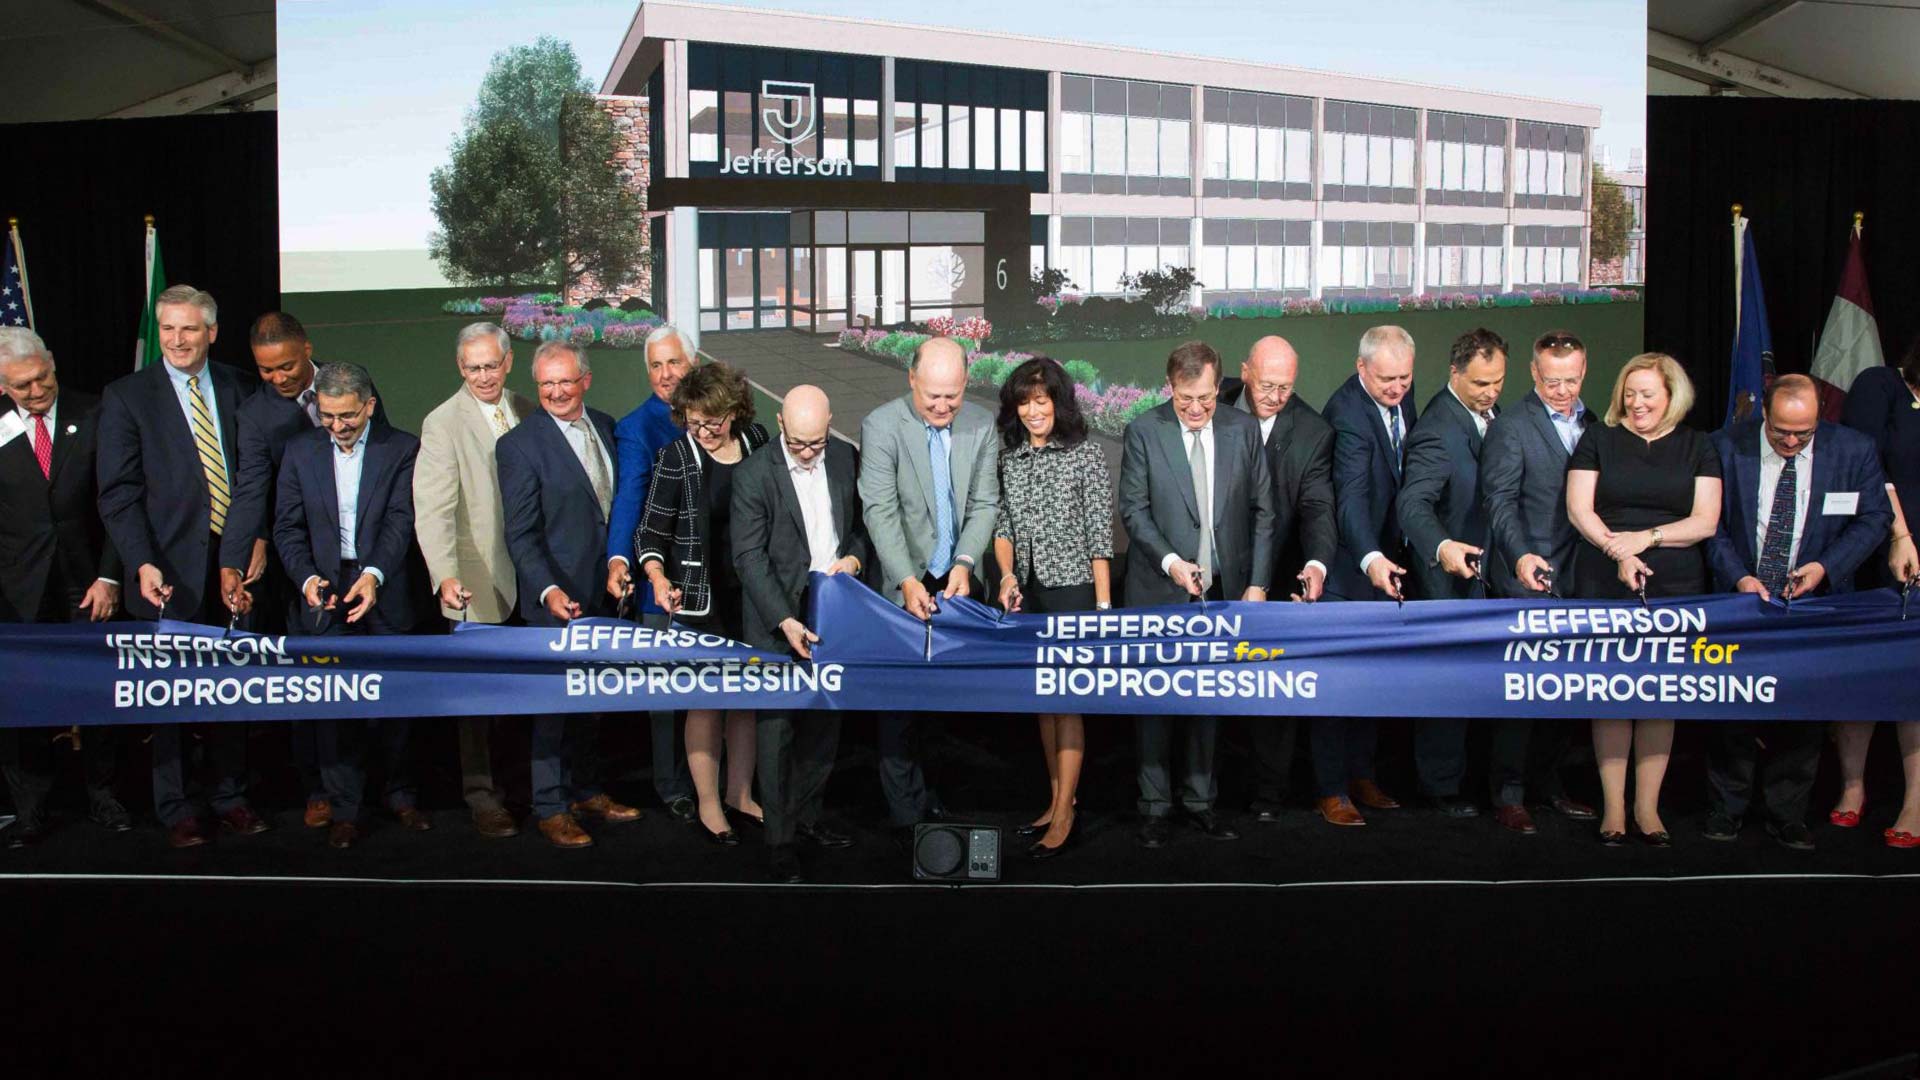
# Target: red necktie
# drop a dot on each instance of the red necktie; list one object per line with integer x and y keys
{"x": 42, "y": 445}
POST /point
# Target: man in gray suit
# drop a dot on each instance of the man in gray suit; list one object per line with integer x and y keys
{"x": 1197, "y": 504}
{"x": 930, "y": 489}
{"x": 1523, "y": 481}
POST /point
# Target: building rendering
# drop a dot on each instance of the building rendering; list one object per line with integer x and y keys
{"x": 817, "y": 172}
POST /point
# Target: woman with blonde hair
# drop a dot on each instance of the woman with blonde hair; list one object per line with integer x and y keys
{"x": 1643, "y": 491}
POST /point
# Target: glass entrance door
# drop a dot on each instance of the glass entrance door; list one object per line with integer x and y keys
{"x": 879, "y": 285}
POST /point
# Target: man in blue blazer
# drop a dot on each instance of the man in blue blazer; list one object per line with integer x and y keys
{"x": 1371, "y": 414}
{"x": 1804, "y": 503}
{"x": 343, "y": 527}
{"x": 557, "y": 482}
{"x": 637, "y": 440}
{"x": 165, "y": 466}
{"x": 1446, "y": 527}
{"x": 284, "y": 407}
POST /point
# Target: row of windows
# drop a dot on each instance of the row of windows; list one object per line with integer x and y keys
{"x": 930, "y": 135}
{"x": 733, "y": 121}
{"x": 1549, "y": 166}
{"x": 1258, "y": 145}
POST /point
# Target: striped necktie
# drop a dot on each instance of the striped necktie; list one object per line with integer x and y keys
{"x": 207, "y": 441}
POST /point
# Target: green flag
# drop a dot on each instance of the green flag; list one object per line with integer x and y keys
{"x": 147, "y": 351}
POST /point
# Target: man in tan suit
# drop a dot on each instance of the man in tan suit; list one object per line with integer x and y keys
{"x": 456, "y": 499}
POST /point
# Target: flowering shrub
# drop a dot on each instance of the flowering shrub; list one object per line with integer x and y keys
{"x": 989, "y": 369}
{"x": 1110, "y": 410}
{"x": 539, "y": 317}
{"x": 973, "y": 328}
{"x": 1373, "y": 303}
{"x": 1054, "y": 303}
{"x": 1083, "y": 373}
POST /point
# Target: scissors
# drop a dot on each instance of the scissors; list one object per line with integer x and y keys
{"x": 621, "y": 610}
{"x": 1640, "y": 589}
{"x": 1546, "y": 578}
{"x": 1906, "y": 593}
{"x": 1473, "y": 564}
{"x": 1786, "y": 593}
{"x": 323, "y": 615}
{"x": 1399, "y": 595}
{"x": 1302, "y": 579}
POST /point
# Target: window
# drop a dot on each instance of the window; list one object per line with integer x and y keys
{"x": 1546, "y": 255}
{"x": 1258, "y": 145}
{"x": 1466, "y": 160}
{"x": 1368, "y": 155}
{"x": 866, "y": 132}
{"x": 933, "y": 139}
{"x": 1010, "y": 139}
{"x": 1036, "y": 141}
{"x": 1143, "y": 146}
{"x": 1076, "y": 155}
{"x": 959, "y": 137}
{"x": 985, "y": 126}
{"x": 1366, "y": 257}
{"x": 1244, "y": 259}
{"x": 703, "y": 125}
{"x": 727, "y": 113}
{"x": 1550, "y": 166}
{"x": 1137, "y": 136}
{"x": 1109, "y": 145}
{"x": 1463, "y": 257}
{"x": 1097, "y": 252}
{"x": 906, "y": 133}
{"x": 971, "y": 121}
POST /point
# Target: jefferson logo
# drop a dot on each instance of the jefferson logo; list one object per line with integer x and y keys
{"x": 790, "y": 114}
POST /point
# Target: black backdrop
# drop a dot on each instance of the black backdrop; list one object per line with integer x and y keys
{"x": 81, "y": 189}
{"x": 1800, "y": 169}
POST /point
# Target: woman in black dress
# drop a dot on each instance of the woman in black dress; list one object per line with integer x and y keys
{"x": 1644, "y": 494}
{"x": 685, "y": 555}
{"x": 1884, "y": 404}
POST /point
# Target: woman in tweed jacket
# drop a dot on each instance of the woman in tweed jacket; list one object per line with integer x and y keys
{"x": 684, "y": 552}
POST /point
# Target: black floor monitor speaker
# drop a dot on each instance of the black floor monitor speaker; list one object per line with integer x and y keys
{"x": 951, "y": 852}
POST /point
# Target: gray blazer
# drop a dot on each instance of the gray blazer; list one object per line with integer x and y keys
{"x": 1523, "y": 482}
{"x": 1157, "y": 505}
{"x": 896, "y": 489}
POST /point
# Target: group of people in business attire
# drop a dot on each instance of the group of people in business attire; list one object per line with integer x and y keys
{"x": 288, "y": 504}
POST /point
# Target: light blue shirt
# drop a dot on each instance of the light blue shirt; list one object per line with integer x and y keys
{"x": 347, "y": 469}
{"x": 207, "y": 396}
{"x": 1567, "y": 427}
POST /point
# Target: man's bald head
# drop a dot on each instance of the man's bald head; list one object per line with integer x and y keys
{"x": 805, "y": 416}
{"x": 938, "y": 378}
{"x": 1269, "y": 372}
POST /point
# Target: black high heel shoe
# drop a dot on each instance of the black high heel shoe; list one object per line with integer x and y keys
{"x": 735, "y": 812}
{"x": 1612, "y": 839}
{"x": 1659, "y": 838}
{"x": 1039, "y": 850}
{"x": 725, "y": 838}
{"x": 1034, "y": 828}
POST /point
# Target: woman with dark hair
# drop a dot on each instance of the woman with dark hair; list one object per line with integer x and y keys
{"x": 1884, "y": 405}
{"x": 685, "y": 555}
{"x": 1055, "y": 539}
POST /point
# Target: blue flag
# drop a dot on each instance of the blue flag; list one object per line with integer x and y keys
{"x": 1752, "y": 340}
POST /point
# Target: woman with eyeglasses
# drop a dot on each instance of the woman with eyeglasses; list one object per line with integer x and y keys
{"x": 1884, "y": 405}
{"x": 684, "y": 554}
{"x": 1643, "y": 492}
{"x": 1054, "y": 538}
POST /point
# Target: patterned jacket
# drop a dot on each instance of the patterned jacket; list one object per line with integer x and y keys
{"x": 674, "y": 526}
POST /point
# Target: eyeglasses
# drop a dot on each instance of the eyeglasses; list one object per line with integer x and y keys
{"x": 481, "y": 369}
{"x": 708, "y": 426}
{"x": 332, "y": 418}
{"x": 1181, "y": 401}
{"x": 813, "y": 446}
{"x": 1268, "y": 389}
{"x": 564, "y": 385}
{"x": 1561, "y": 384}
{"x": 1797, "y": 438}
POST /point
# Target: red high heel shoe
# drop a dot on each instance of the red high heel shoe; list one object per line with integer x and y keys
{"x": 1898, "y": 839}
{"x": 1846, "y": 819}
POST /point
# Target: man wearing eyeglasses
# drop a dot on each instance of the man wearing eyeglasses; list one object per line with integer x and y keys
{"x": 557, "y": 479}
{"x": 1804, "y": 503}
{"x": 343, "y": 524}
{"x": 795, "y": 513}
{"x": 1523, "y": 482}
{"x": 462, "y": 532}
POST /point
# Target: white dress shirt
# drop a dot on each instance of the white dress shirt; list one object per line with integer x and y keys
{"x": 211, "y": 399}
{"x": 1386, "y": 424}
{"x": 816, "y": 510}
{"x": 1213, "y": 473}
{"x": 1770, "y": 466}
{"x": 487, "y": 411}
{"x": 1567, "y": 425}
{"x": 347, "y": 470}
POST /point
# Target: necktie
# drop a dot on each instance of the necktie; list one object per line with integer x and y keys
{"x": 1775, "y": 552}
{"x": 307, "y": 406}
{"x": 42, "y": 445}
{"x": 207, "y": 442}
{"x": 1393, "y": 437}
{"x": 596, "y": 467}
{"x": 1203, "y": 499}
{"x": 499, "y": 421}
{"x": 941, "y": 462}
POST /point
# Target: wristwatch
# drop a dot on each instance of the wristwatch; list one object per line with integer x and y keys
{"x": 1656, "y": 536}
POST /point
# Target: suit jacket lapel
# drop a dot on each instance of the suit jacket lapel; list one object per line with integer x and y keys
{"x": 63, "y": 443}
{"x": 1225, "y": 447}
{"x": 1816, "y": 493}
{"x": 1746, "y": 481}
{"x": 330, "y": 497}
{"x": 920, "y": 457}
{"x": 227, "y": 393}
{"x": 790, "y": 496}
{"x": 1173, "y": 443}
{"x": 364, "y": 528}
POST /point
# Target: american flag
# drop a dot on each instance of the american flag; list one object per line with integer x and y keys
{"x": 15, "y": 307}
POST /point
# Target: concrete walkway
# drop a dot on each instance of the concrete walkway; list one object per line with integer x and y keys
{"x": 779, "y": 360}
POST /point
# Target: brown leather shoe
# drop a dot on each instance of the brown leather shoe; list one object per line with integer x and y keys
{"x": 1515, "y": 818}
{"x": 319, "y": 814}
{"x": 413, "y": 818}
{"x": 494, "y": 823}
{"x": 1571, "y": 810}
{"x": 242, "y": 820}
{"x": 186, "y": 833}
{"x": 1338, "y": 811}
{"x": 562, "y": 831}
{"x": 603, "y": 807}
{"x": 342, "y": 834}
{"x": 1368, "y": 794}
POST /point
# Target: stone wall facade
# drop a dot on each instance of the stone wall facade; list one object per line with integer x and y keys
{"x": 631, "y": 125}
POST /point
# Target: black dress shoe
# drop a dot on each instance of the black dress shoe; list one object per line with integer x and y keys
{"x": 684, "y": 810}
{"x": 724, "y": 838}
{"x": 1721, "y": 827}
{"x": 783, "y": 865}
{"x": 1208, "y": 824}
{"x": 1039, "y": 850}
{"x": 1153, "y": 833}
{"x": 110, "y": 815}
{"x": 821, "y": 834}
{"x": 735, "y": 812}
{"x": 1572, "y": 811}
{"x": 1792, "y": 835}
{"x": 1266, "y": 813}
{"x": 1454, "y": 806}
{"x": 25, "y": 832}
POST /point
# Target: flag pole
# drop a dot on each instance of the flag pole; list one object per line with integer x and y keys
{"x": 1738, "y": 256}
{"x": 20, "y": 267}
{"x": 1858, "y": 217}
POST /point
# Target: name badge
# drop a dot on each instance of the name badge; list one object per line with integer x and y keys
{"x": 1842, "y": 502}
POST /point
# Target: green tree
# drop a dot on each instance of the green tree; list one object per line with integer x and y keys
{"x": 1611, "y": 218}
{"x": 1166, "y": 291}
{"x": 529, "y": 193}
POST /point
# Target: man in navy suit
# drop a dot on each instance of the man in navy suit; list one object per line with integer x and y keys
{"x": 165, "y": 467}
{"x": 557, "y": 482}
{"x": 1523, "y": 482}
{"x": 1446, "y": 526}
{"x": 1804, "y": 503}
{"x": 1371, "y": 414}
{"x": 283, "y": 356}
{"x": 343, "y": 524}
{"x": 58, "y": 566}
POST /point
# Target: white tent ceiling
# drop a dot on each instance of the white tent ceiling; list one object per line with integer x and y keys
{"x": 1784, "y": 48}
{"x": 83, "y": 59}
